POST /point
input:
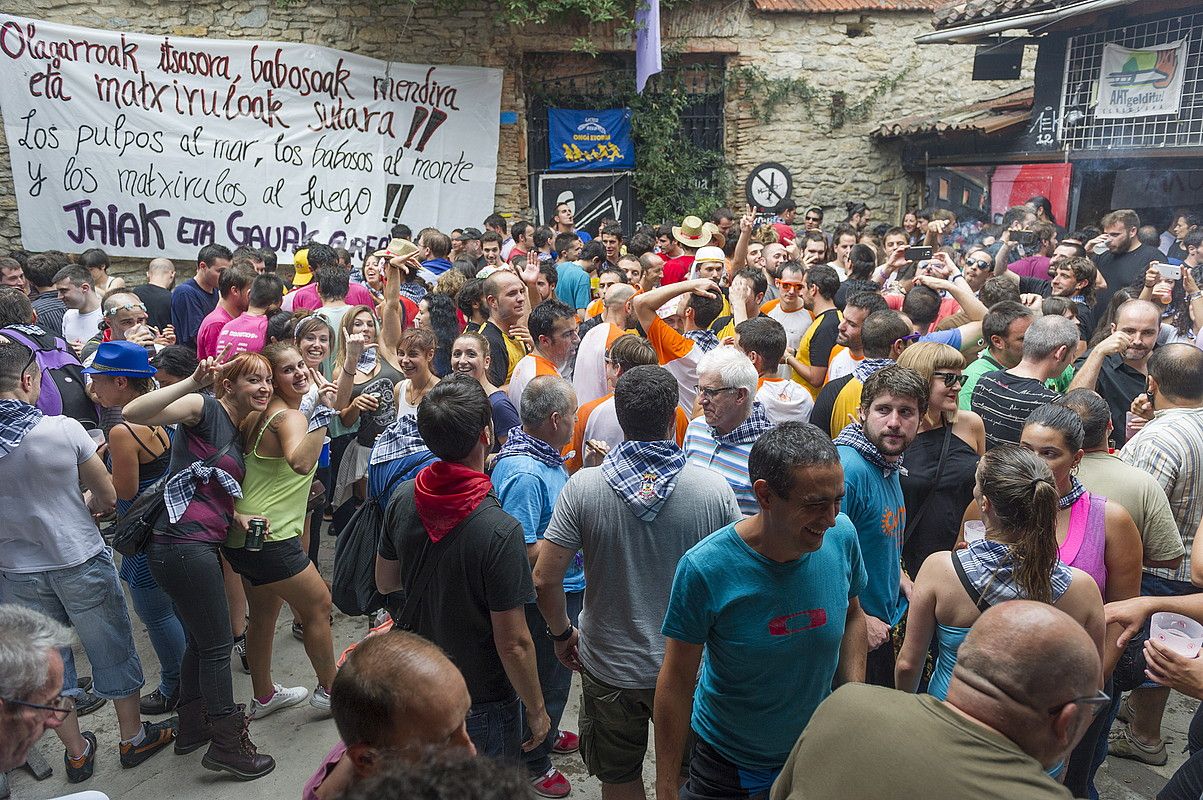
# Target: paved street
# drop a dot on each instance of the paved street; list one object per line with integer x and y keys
{"x": 299, "y": 737}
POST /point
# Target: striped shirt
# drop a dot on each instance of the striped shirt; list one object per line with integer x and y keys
{"x": 1170, "y": 448}
{"x": 1004, "y": 402}
{"x": 730, "y": 461}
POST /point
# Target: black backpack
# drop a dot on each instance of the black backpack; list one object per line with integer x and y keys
{"x": 353, "y": 582}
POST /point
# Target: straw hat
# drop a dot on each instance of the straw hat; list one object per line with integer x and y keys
{"x": 692, "y": 233}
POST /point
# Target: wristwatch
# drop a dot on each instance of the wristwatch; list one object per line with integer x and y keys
{"x": 563, "y": 637}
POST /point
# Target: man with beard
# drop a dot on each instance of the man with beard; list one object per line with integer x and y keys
{"x": 851, "y": 351}
{"x": 1126, "y": 259}
{"x": 893, "y": 400}
{"x": 1118, "y": 367}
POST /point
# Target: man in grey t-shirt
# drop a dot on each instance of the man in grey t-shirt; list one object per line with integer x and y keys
{"x": 633, "y": 517}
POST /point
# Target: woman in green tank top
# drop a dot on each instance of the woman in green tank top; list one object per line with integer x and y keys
{"x": 282, "y": 450}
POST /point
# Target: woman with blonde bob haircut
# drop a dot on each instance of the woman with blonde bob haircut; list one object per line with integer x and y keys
{"x": 940, "y": 463}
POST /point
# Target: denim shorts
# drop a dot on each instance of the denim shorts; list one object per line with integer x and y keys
{"x": 88, "y": 597}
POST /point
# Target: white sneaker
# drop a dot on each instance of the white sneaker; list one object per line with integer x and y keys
{"x": 320, "y": 699}
{"x": 283, "y": 698}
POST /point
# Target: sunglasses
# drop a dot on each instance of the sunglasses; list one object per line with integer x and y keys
{"x": 127, "y": 307}
{"x": 979, "y": 263}
{"x": 950, "y": 378}
{"x": 795, "y": 285}
{"x": 911, "y": 338}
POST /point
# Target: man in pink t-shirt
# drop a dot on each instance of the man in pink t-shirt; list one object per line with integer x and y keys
{"x": 307, "y": 297}
{"x": 234, "y": 286}
{"x": 248, "y": 331}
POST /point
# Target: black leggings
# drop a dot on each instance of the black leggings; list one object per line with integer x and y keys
{"x": 190, "y": 573}
{"x": 1187, "y": 782}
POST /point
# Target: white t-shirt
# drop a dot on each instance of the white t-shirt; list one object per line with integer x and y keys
{"x": 795, "y": 324}
{"x": 842, "y": 363}
{"x": 589, "y": 376}
{"x": 45, "y": 524}
{"x": 79, "y": 327}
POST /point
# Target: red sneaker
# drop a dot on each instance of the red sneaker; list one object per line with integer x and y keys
{"x": 566, "y": 743}
{"x": 551, "y": 784}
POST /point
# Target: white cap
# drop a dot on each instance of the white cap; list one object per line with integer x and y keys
{"x": 709, "y": 253}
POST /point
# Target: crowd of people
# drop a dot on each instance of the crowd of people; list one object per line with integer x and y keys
{"x": 816, "y": 504}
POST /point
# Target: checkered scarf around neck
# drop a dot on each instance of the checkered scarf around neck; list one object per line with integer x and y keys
{"x": 756, "y": 425}
{"x": 1076, "y": 490}
{"x": 853, "y": 435}
{"x": 399, "y": 440}
{"x": 643, "y": 474}
{"x": 865, "y": 369}
{"x": 706, "y": 340}
{"x": 520, "y": 443}
{"x": 17, "y": 418}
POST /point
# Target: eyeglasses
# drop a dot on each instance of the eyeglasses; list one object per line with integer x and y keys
{"x": 61, "y": 707}
{"x": 813, "y": 219}
{"x": 950, "y": 378}
{"x": 710, "y": 393}
{"x": 979, "y": 263}
{"x": 1095, "y": 702}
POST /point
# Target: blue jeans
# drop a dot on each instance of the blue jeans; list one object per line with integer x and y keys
{"x": 496, "y": 729}
{"x": 157, "y": 613}
{"x": 190, "y": 574}
{"x": 554, "y": 678}
{"x": 87, "y": 597}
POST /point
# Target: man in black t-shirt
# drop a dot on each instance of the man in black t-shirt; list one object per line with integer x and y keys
{"x": 1125, "y": 260}
{"x": 155, "y": 294}
{"x": 470, "y": 601}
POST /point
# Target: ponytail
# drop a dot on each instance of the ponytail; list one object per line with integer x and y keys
{"x": 1022, "y": 492}
{"x": 1035, "y": 546}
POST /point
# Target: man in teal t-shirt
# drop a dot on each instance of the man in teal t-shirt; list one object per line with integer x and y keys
{"x": 893, "y": 401}
{"x": 768, "y": 607}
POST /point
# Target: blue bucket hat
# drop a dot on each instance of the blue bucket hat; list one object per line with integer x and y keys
{"x": 124, "y": 359}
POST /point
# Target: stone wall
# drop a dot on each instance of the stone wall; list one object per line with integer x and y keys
{"x": 829, "y": 166}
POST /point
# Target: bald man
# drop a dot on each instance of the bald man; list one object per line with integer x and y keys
{"x": 1117, "y": 368}
{"x": 589, "y": 375}
{"x": 1025, "y": 689}
{"x": 156, "y": 292}
{"x": 395, "y": 697}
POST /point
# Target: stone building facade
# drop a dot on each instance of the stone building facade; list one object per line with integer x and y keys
{"x": 842, "y": 49}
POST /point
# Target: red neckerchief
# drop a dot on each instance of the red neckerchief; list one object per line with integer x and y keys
{"x": 445, "y": 493}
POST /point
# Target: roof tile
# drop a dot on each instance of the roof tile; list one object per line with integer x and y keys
{"x": 987, "y": 116}
{"x": 956, "y": 12}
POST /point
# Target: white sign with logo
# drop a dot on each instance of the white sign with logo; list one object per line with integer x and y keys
{"x": 1141, "y": 83}
{"x": 157, "y": 145}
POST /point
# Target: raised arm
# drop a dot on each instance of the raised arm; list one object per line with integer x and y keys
{"x": 740, "y": 257}
{"x": 645, "y": 304}
{"x": 178, "y": 403}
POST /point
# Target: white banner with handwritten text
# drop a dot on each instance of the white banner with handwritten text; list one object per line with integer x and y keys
{"x": 157, "y": 145}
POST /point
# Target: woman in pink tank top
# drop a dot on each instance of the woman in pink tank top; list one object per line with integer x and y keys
{"x": 1093, "y": 534}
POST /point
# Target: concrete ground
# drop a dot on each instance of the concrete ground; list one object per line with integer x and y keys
{"x": 299, "y": 738}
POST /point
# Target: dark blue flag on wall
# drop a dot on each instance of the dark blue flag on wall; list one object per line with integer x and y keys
{"x": 589, "y": 140}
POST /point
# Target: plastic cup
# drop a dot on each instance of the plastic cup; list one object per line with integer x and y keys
{"x": 323, "y": 460}
{"x": 1181, "y": 634}
{"x": 975, "y": 530}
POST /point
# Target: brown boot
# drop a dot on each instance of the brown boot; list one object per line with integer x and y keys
{"x": 231, "y": 749}
{"x": 194, "y": 731}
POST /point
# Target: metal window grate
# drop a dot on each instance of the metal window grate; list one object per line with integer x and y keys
{"x": 1083, "y": 64}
